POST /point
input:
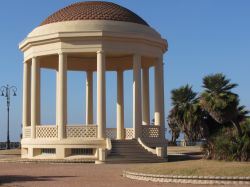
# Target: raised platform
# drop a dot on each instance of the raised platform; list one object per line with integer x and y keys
{"x": 82, "y": 143}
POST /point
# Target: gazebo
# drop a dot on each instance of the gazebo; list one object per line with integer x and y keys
{"x": 94, "y": 37}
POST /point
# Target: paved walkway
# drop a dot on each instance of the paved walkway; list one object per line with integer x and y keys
{"x": 63, "y": 175}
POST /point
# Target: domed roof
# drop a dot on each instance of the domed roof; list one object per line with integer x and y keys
{"x": 94, "y": 10}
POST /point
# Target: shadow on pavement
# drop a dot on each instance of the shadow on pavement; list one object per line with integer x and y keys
{"x": 183, "y": 157}
{"x": 7, "y": 179}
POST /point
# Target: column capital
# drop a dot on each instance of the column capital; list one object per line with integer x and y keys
{"x": 159, "y": 60}
{"x": 62, "y": 53}
{"x": 89, "y": 71}
{"x": 120, "y": 70}
{"x": 34, "y": 57}
{"x": 137, "y": 55}
{"x": 100, "y": 52}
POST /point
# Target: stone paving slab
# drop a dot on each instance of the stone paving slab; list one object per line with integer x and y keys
{"x": 16, "y": 172}
{"x": 75, "y": 175}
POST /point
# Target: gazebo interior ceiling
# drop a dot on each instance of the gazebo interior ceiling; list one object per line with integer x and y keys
{"x": 87, "y": 62}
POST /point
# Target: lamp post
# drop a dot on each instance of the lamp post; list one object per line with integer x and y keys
{"x": 6, "y": 92}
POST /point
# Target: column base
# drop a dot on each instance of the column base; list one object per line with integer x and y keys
{"x": 99, "y": 162}
{"x": 101, "y": 156}
{"x": 161, "y": 152}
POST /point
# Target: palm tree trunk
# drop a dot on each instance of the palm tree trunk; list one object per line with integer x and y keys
{"x": 237, "y": 126}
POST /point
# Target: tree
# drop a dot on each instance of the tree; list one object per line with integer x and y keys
{"x": 218, "y": 100}
{"x": 175, "y": 132}
{"x": 174, "y": 129}
{"x": 215, "y": 115}
{"x": 186, "y": 114}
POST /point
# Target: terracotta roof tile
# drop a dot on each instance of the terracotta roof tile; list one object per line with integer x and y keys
{"x": 94, "y": 10}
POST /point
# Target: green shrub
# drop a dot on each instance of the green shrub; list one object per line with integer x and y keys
{"x": 226, "y": 145}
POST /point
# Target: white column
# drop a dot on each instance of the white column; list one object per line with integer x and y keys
{"x": 26, "y": 93}
{"x": 35, "y": 93}
{"x": 157, "y": 85}
{"x": 57, "y": 94}
{"x": 38, "y": 98}
{"x": 137, "y": 115}
{"x": 62, "y": 95}
{"x": 120, "y": 106}
{"x": 101, "y": 95}
{"x": 162, "y": 100}
{"x": 146, "y": 108}
{"x": 89, "y": 97}
{"x": 159, "y": 95}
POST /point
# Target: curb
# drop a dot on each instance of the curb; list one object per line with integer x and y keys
{"x": 186, "y": 179}
{"x": 46, "y": 161}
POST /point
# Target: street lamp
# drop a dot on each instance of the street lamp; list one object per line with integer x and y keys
{"x": 6, "y": 92}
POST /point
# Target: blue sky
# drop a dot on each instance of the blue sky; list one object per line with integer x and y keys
{"x": 204, "y": 37}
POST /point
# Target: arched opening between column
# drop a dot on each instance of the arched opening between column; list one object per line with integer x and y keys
{"x": 48, "y": 96}
{"x": 151, "y": 95}
{"x": 76, "y": 94}
{"x": 128, "y": 98}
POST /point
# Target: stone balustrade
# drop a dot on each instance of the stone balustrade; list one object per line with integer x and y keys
{"x": 51, "y": 131}
{"x": 112, "y": 133}
{"x": 46, "y": 131}
{"x": 81, "y": 131}
{"x": 151, "y": 131}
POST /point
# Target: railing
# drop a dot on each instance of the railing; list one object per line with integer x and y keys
{"x": 13, "y": 145}
{"x": 27, "y": 132}
{"x": 148, "y": 132}
{"x": 81, "y": 131}
{"x": 46, "y": 131}
{"x": 111, "y": 133}
{"x": 153, "y": 136}
{"x": 151, "y": 131}
{"x": 129, "y": 133}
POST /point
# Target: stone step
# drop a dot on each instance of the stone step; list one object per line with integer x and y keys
{"x": 129, "y": 158}
{"x": 135, "y": 158}
{"x": 123, "y": 141}
{"x": 133, "y": 155}
{"x": 116, "y": 145}
{"x": 130, "y": 151}
{"x": 117, "y": 161}
{"x": 126, "y": 147}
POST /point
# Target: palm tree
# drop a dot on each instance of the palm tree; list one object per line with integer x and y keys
{"x": 218, "y": 100}
{"x": 174, "y": 129}
{"x": 185, "y": 113}
{"x": 183, "y": 96}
